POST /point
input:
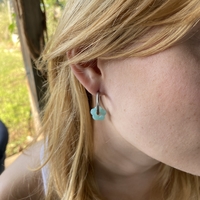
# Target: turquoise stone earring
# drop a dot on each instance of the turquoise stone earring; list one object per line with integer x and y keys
{"x": 98, "y": 113}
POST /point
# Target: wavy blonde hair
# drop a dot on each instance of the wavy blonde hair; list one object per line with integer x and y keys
{"x": 97, "y": 28}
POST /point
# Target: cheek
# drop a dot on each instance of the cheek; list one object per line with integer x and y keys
{"x": 160, "y": 114}
{"x": 169, "y": 130}
{"x": 166, "y": 126}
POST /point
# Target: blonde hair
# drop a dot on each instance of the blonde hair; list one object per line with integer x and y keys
{"x": 97, "y": 28}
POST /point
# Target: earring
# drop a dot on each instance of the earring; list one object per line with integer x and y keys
{"x": 98, "y": 113}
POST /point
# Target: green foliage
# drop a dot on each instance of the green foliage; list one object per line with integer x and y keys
{"x": 5, "y": 22}
{"x": 49, "y": 2}
{"x": 8, "y": 23}
{"x": 54, "y": 2}
{"x": 15, "y": 104}
{"x": 15, "y": 109}
{"x": 53, "y": 10}
{"x": 14, "y": 100}
{"x": 12, "y": 27}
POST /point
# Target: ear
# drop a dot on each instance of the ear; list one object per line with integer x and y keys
{"x": 88, "y": 74}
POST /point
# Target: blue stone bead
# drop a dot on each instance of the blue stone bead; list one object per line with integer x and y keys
{"x": 99, "y": 116}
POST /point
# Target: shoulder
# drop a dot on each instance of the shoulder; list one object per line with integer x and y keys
{"x": 20, "y": 180}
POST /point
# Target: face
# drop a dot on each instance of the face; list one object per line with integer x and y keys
{"x": 154, "y": 102}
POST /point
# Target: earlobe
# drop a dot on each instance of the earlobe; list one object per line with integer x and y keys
{"x": 88, "y": 74}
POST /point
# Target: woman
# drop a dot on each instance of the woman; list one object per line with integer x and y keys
{"x": 135, "y": 66}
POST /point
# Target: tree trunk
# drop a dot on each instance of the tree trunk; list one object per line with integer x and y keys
{"x": 31, "y": 23}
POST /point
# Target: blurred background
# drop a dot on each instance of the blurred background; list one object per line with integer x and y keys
{"x": 15, "y": 99}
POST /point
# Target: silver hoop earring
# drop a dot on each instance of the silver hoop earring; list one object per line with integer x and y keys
{"x": 98, "y": 113}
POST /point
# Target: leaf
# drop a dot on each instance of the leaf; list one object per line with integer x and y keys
{"x": 11, "y": 28}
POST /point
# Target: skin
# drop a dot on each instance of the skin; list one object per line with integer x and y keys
{"x": 153, "y": 115}
{"x": 161, "y": 112}
{"x": 160, "y": 115}
{"x": 20, "y": 180}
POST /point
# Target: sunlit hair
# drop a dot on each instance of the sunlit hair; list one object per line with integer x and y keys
{"x": 105, "y": 29}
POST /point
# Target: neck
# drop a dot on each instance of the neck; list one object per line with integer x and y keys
{"x": 122, "y": 171}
